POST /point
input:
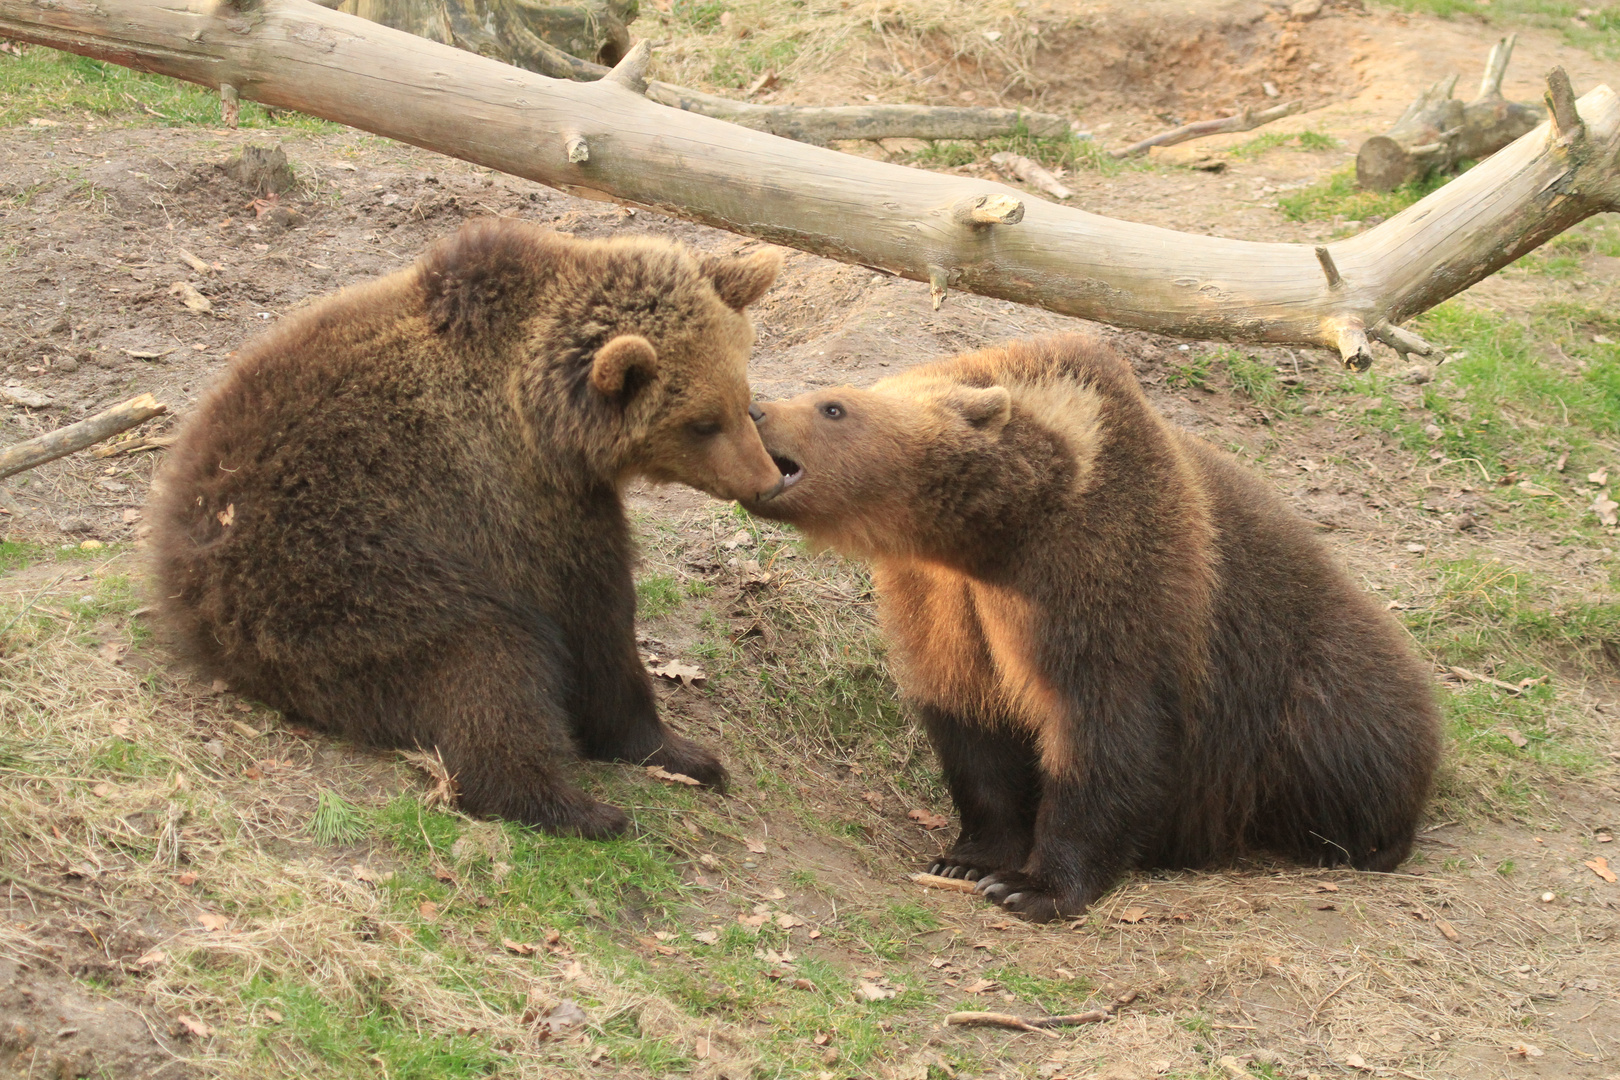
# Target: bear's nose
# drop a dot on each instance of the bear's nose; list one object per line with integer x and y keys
{"x": 755, "y": 413}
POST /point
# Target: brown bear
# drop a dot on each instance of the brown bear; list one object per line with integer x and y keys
{"x": 1126, "y": 650}
{"x": 397, "y": 516}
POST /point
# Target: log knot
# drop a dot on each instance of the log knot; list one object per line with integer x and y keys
{"x": 990, "y": 209}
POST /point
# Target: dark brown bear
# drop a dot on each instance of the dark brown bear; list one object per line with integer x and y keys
{"x": 1127, "y": 652}
{"x": 397, "y": 516}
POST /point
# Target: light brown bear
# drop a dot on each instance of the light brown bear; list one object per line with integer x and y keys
{"x": 397, "y": 515}
{"x": 1126, "y": 650}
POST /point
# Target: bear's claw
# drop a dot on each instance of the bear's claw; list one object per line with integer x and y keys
{"x": 1020, "y": 894}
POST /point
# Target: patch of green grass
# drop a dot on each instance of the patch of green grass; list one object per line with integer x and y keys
{"x": 1192, "y": 374}
{"x": 1064, "y": 152}
{"x": 336, "y": 821}
{"x": 359, "y": 1035}
{"x": 698, "y": 14}
{"x": 657, "y": 594}
{"x": 737, "y": 66}
{"x": 16, "y": 554}
{"x": 1305, "y": 140}
{"x": 1252, "y": 377}
{"x": 1053, "y": 996}
{"x": 46, "y": 83}
{"x": 1584, "y": 25}
{"x": 1338, "y": 196}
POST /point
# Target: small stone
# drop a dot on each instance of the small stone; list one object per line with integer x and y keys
{"x": 1306, "y": 9}
{"x": 1417, "y": 375}
{"x": 1312, "y": 410}
{"x": 1434, "y": 431}
{"x": 75, "y": 525}
{"x": 1547, "y": 897}
{"x": 1465, "y": 522}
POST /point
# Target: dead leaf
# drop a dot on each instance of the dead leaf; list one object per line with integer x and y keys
{"x": 1326, "y": 886}
{"x": 1600, "y": 867}
{"x": 753, "y": 922}
{"x": 776, "y": 894}
{"x": 871, "y": 991}
{"x": 212, "y": 922}
{"x": 658, "y": 772}
{"x": 928, "y": 819}
{"x": 1447, "y": 929}
{"x": 708, "y": 937}
{"x": 700, "y": 1049}
{"x": 1515, "y": 737}
{"x": 273, "y": 1016}
{"x": 979, "y": 986}
{"x": 187, "y": 879}
{"x": 190, "y": 297}
{"x": 190, "y": 1025}
{"x": 365, "y": 874}
{"x": 112, "y": 651}
{"x": 522, "y": 948}
{"x": 155, "y": 956}
{"x": 428, "y": 909}
{"x": 873, "y": 799}
{"x": 101, "y": 791}
{"x": 803, "y": 984}
{"x": 788, "y": 922}
{"x": 1355, "y": 1061}
{"x": 1133, "y": 915}
{"x": 121, "y": 729}
{"x": 1525, "y": 1050}
{"x": 1605, "y": 507}
{"x": 1599, "y": 478}
{"x": 227, "y": 516}
{"x": 756, "y": 846}
{"x": 685, "y": 674}
{"x": 574, "y": 971}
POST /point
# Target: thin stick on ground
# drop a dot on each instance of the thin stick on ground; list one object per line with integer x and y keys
{"x": 29, "y": 885}
{"x": 1247, "y": 120}
{"x": 63, "y": 441}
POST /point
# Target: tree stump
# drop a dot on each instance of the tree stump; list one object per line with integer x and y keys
{"x": 1437, "y": 131}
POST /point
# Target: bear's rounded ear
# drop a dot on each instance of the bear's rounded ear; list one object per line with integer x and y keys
{"x": 988, "y": 407}
{"x": 742, "y": 281}
{"x": 626, "y": 358}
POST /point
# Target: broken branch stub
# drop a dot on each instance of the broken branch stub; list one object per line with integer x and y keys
{"x": 1247, "y": 120}
{"x": 294, "y": 54}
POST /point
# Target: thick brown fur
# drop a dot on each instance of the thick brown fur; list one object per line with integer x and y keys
{"x": 1126, "y": 650}
{"x": 397, "y": 515}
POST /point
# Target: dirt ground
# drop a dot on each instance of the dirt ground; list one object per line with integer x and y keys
{"x": 1449, "y": 969}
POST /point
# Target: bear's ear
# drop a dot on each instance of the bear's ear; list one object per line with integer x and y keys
{"x": 626, "y": 358}
{"x": 742, "y": 281}
{"x": 989, "y": 407}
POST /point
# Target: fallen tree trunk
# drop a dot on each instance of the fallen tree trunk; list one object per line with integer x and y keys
{"x": 88, "y": 432}
{"x": 1437, "y": 131}
{"x": 605, "y": 140}
{"x": 822, "y": 125}
{"x": 1247, "y": 120}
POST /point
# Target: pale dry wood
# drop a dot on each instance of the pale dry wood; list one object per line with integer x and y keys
{"x": 88, "y": 432}
{"x": 949, "y": 884}
{"x": 1437, "y": 130}
{"x": 295, "y": 54}
{"x": 1247, "y": 120}
{"x": 1030, "y": 172}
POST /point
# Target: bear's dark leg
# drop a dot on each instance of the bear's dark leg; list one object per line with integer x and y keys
{"x": 1104, "y": 797}
{"x": 492, "y": 703}
{"x": 995, "y": 782}
{"x": 616, "y": 715}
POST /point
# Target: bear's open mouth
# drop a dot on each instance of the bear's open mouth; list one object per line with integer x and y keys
{"x": 792, "y": 471}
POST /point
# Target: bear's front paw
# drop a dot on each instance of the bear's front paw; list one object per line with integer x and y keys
{"x": 687, "y": 758}
{"x": 1022, "y": 895}
{"x": 951, "y": 867}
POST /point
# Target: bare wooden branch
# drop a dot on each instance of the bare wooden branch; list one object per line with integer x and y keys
{"x": 1247, "y": 120}
{"x": 293, "y": 54}
{"x": 1005, "y": 1020}
{"x": 230, "y": 108}
{"x": 1437, "y": 131}
{"x": 1039, "y": 1024}
{"x": 64, "y": 441}
{"x": 1030, "y": 172}
{"x": 1403, "y": 342}
{"x": 827, "y": 124}
{"x": 949, "y": 884}
{"x": 631, "y": 72}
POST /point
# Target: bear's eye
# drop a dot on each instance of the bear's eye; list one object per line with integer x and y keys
{"x": 832, "y": 411}
{"x": 704, "y": 429}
